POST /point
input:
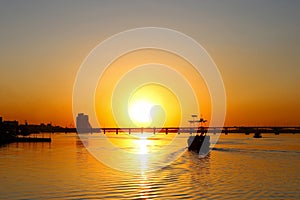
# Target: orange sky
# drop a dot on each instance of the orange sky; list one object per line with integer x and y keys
{"x": 254, "y": 44}
{"x": 135, "y": 68}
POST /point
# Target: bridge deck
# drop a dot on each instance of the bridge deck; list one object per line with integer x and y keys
{"x": 226, "y": 129}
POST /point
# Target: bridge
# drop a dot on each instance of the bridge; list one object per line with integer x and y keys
{"x": 201, "y": 129}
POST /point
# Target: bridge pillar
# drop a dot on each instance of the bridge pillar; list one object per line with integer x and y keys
{"x": 166, "y": 131}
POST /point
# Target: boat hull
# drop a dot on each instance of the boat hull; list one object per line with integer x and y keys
{"x": 199, "y": 144}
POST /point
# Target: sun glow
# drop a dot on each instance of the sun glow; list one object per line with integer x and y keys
{"x": 153, "y": 105}
{"x": 140, "y": 112}
{"x": 158, "y": 77}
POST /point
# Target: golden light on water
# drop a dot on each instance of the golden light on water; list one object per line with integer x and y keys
{"x": 143, "y": 145}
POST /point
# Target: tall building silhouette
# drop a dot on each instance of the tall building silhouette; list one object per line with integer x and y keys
{"x": 82, "y": 123}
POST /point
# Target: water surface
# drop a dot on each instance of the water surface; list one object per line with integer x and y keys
{"x": 239, "y": 167}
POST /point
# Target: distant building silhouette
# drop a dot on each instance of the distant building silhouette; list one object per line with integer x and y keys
{"x": 9, "y": 127}
{"x": 82, "y": 123}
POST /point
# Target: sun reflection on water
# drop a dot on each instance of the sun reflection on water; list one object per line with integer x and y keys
{"x": 143, "y": 145}
{"x": 136, "y": 152}
{"x": 145, "y": 187}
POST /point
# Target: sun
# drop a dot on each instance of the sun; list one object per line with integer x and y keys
{"x": 153, "y": 105}
{"x": 140, "y": 112}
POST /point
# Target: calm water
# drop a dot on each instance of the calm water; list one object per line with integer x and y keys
{"x": 239, "y": 167}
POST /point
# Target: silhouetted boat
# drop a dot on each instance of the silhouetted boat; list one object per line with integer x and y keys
{"x": 199, "y": 142}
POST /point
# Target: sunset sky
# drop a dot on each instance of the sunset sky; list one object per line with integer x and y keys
{"x": 255, "y": 44}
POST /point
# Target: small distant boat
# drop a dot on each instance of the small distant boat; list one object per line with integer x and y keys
{"x": 257, "y": 134}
